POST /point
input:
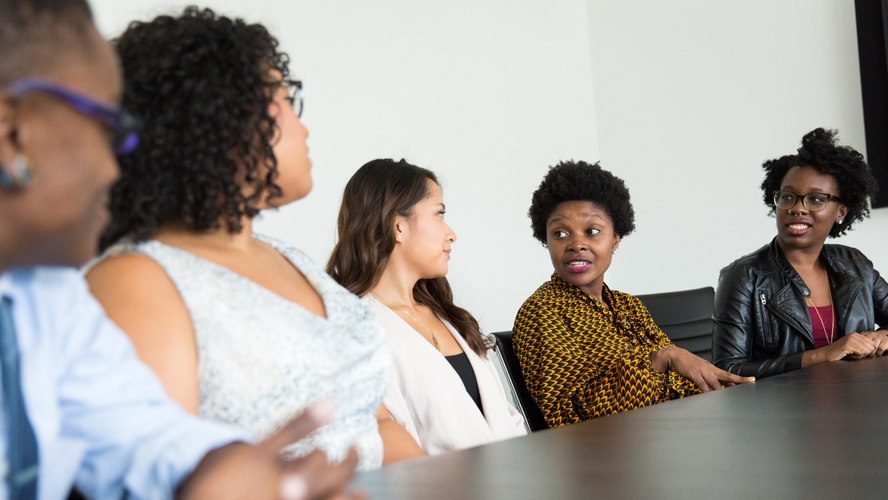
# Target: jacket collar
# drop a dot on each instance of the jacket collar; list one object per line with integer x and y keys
{"x": 845, "y": 288}
{"x": 788, "y": 271}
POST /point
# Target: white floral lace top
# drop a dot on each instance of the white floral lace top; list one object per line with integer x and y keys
{"x": 262, "y": 358}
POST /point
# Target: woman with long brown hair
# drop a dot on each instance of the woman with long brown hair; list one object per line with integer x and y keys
{"x": 393, "y": 251}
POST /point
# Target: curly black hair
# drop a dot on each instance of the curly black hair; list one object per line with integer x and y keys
{"x": 580, "y": 181}
{"x": 201, "y": 84}
{"x": 821, "y": 151}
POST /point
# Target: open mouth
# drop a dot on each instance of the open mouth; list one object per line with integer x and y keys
{"x": 798, "y": 228}
{"x": 578, "y": 265}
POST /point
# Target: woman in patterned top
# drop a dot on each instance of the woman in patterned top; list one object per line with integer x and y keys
{"x": 585, "y": 350}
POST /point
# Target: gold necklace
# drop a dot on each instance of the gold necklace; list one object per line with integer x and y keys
{"x": 414, "y": 318}
{"x": 832, "y": 333}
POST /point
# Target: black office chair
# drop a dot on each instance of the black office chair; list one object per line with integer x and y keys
{"x": 526, "y": 405}
{"x": 685, "y": 317}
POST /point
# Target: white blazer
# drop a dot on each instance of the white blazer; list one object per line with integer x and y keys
{"x": 429, "y": 399}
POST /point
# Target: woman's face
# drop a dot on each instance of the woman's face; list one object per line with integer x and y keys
{"x": 423, "y": 240}
{"x": 290, "y": 148}
{"x": 581, "y": 241}
{"x": 61, "y": 214}
{"x": 798, "y": 227}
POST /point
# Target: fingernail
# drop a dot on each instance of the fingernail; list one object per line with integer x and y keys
{"x": 294, "y": 488}
{"x": 321, "y": 411}
{"x": 751, "y": 379}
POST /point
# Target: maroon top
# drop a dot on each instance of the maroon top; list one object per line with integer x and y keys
{"x": 820, "y": 334}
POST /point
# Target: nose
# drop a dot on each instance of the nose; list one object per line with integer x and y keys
{"x": 577, "y": 243}
{"x": 451, "y": 236}
{"x": 800, "y": 202}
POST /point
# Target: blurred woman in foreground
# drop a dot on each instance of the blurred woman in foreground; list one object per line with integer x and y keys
{"x": 240, "y": 328}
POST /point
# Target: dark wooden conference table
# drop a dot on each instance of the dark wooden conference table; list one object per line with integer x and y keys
{"x": 820, "y": 432}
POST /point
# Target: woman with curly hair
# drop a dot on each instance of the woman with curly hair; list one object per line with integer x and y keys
{"x": 393, "y": 250}
{"x": 798, "y": 302}
{"x": 240, "y": 328}
{"x": 585, "y": 350}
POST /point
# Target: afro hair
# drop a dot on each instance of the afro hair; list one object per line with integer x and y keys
{"x": 580, "y": 181}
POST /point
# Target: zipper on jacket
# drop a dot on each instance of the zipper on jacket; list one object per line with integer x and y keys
{"x": 766, "y": 327}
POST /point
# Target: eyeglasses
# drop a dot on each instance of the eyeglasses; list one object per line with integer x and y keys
{"x": 294, "y": 89}
{"x": 124, "y": 127}
{"x": 814, "y": 202}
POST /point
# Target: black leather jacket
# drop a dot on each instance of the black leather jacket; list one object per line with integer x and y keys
{"x": 762, "y": 325}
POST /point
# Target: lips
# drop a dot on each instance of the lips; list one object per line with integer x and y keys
{"x": 798, "y": 228}
{"x": 578, "y": 265}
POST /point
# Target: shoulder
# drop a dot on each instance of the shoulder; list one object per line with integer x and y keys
{"x": 545, "y": 295}
{"x": 845, "y": 254}
{"x": 43, "y": 286}
{"x": 745, "y": 267}
{"x": 287, "y": 250}
{"x": 299, "y": 259}
{"x": 540, "y": 308}
{"x": 136, "y": 291}
{"x": 628, "y": 303}
{"x": 123, "y": 270}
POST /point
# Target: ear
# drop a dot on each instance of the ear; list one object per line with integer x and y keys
{"x": 401, "y": 228}
{"x": 841, "y": 214}
{"x": 9, "y": 148}
{"x": 616, "y": 242}
{"x": 15, "y": 172}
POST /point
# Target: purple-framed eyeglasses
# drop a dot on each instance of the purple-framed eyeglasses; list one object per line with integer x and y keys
{"x": 124, "y": 127}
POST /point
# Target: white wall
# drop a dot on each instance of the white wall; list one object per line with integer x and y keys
{"x": 691, "y": 96}
{"x": 486, "y": 94}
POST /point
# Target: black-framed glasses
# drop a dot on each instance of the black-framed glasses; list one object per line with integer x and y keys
{"x": 814, "y": 202}
{"x": 124, "y": 127}
{"x": 294, "y": 89}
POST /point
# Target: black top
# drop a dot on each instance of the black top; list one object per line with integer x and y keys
{"x": 460, "y": 364}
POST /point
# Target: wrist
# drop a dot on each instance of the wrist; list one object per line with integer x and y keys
{"x": 814, "y": 357}
{"x": 661, "y": 359}
{"x": 208, "y": 463}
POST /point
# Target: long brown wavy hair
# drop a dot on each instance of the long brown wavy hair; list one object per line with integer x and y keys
{"x": 374, "y": 196}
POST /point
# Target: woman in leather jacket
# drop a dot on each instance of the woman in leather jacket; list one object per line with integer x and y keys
{"x": 798, "y": 302}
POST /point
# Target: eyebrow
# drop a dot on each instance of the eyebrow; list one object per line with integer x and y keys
{"x": 556, "y": 219}
{"x": 814, "y": 190}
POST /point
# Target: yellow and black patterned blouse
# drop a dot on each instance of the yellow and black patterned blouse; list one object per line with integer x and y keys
{"x": 581, "y": 361}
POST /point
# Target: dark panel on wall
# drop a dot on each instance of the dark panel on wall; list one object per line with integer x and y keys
{"x": 872, "y": 43}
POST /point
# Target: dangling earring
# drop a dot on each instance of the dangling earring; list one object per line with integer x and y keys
{"x": 20, "y": 177}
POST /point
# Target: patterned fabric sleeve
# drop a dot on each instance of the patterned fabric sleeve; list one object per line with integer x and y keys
{"x": 569, "y": 384}
{"x": 676, "y": 385}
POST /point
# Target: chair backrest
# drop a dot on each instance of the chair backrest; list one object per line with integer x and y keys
{"x": 685, "y": 317}
{"x": 526, "y": 404}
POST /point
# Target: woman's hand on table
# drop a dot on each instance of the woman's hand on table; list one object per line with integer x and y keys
{"x": 880, "y": 339}
{"x": 854, "y": 345}
{"x": 694, "y": 368}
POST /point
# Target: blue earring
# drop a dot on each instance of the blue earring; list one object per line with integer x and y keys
{"x": 20, "y": 177}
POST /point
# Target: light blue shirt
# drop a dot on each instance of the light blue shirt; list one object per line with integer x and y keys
{"x": 101, "y": 417}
